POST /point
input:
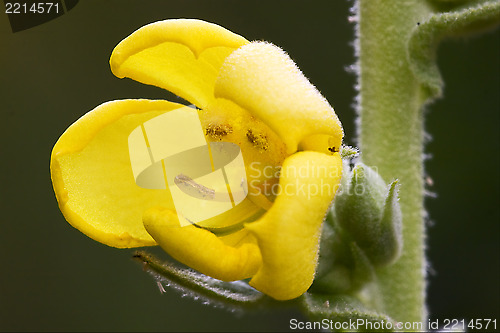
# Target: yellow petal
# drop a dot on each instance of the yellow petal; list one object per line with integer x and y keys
{"x": 182, "y": 56}
{"x": 202, "y": 250}
{"x": 93, "y": 178}
{"x": 288, "y": 234}
{"x": 262, "y": 79}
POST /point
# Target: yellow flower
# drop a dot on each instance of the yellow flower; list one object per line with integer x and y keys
{"x": 251, "y": 94}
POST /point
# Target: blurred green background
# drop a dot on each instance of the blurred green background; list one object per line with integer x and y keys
{"x": 53, "y": 278}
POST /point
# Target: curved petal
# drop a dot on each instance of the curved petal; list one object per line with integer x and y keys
{"x": 288, "y": 234}
{"x": 182, "y": 56}
{"x": 93, "y": 178}
{"x": 202, "y": 250}
{"x": 262, "y": 79}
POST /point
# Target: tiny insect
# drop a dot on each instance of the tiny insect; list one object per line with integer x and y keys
{"x": 189, "y": 186}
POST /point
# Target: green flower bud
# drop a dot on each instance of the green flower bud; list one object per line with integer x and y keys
{"x": 362, "y": 271}
{"x": 334, "y": 271}
{"x": 368, "y": 212}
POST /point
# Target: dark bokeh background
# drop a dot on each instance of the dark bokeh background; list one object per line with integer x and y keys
{"x": 53, "y": 278}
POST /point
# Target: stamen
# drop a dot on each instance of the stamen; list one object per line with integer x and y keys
{"x": 258, "y": 140}
{"x": 217, "y": 131}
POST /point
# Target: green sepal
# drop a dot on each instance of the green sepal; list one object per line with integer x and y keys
{"x": 338, "y": 280}
{"x": 342, "y": 266}
{"x": 233, "y": 295}
{"x": 327, "y": 253}
{"x": 333, "y": 273}
{"x": 360, "y": 199}
{"x": 426, "y": 36}
{"x": 343, "y": 309}
{"x": 391, "y": 234}
{"x": 368, "y": 212}
{"x": 363, "y": 270}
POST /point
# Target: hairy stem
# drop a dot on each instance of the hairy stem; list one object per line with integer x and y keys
{"x": 390, "y": 134}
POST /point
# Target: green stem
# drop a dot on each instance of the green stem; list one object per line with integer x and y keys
{"x": 391, "y": 138}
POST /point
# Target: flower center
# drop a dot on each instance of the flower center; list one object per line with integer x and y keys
{"x": 262, "y": 151}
